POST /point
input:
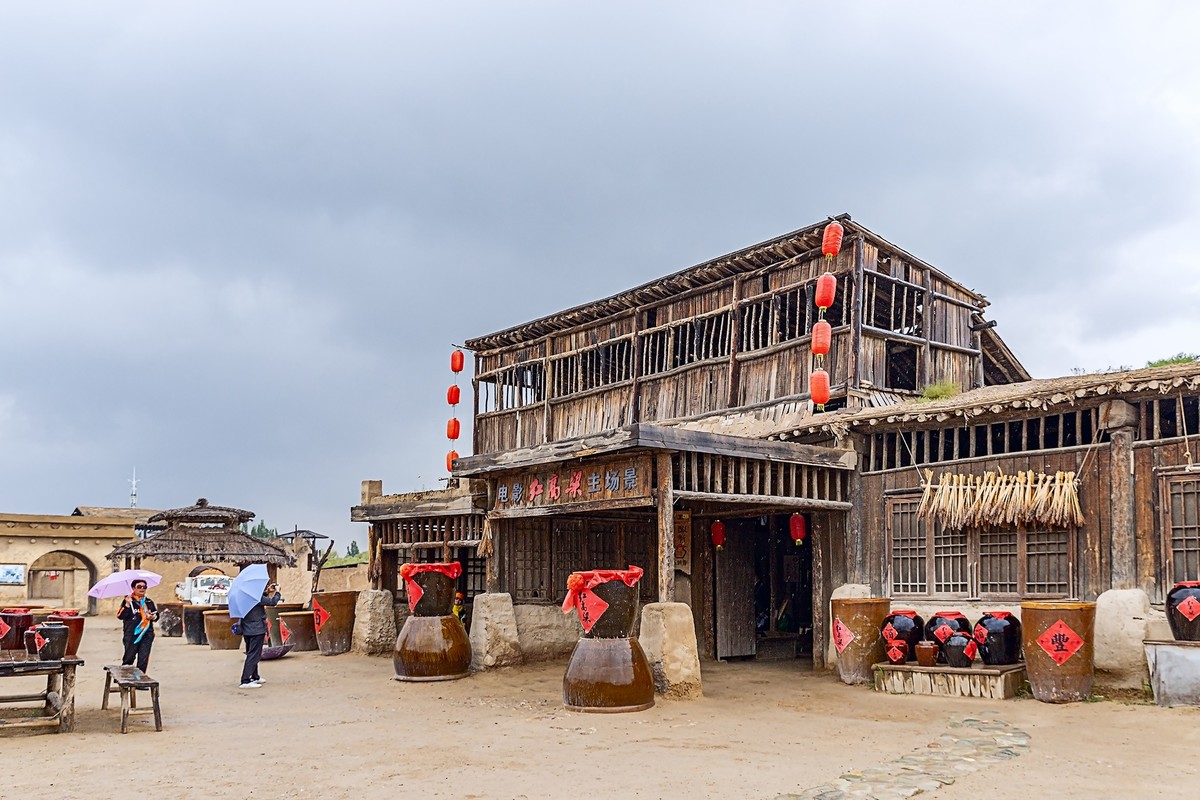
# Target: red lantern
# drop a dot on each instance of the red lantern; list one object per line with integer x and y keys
{"x": 718, "y": 534}
{"x": 822, "y": 338}
{"x": 818, "y": 386}
{"x": 453, "y": 395}
{"x": 831, "y": 243}
{"x": 456, "y": 361}
{"x": 452, "y": 428}
{"x": 826, "y": 290}
{"x": 450, "y": 459}
{"x": 798, "y": 528}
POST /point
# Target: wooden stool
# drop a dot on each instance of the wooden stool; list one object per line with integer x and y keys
{"x": 129, "y": 680}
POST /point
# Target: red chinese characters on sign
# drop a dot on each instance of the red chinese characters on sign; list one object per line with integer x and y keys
{"x": 320, "y": 616}
{"x": 895, "y": 654}
{"x": 535, "y": 489}
{"x": 1190, "y": 608}
{"x": 285, "y": 633}
{"x": 553, "y": 490}
{"x": 842, "y": 636}
{"x": 889, "y": 632}
{"x": 943, "y": 632}
{"x": 591, "y": 606}
{"x": 980, "y": 634}
{"x": 573, "y": 489}
{"x": 628, "y": 480}
{"x": 1060, "y": 642}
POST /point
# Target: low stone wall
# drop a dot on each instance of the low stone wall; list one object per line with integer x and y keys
{"x": 545, "y": 632}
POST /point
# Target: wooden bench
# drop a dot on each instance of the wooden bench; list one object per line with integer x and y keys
{"x": 128, "y": 680}
{"x": 999, "y": 683}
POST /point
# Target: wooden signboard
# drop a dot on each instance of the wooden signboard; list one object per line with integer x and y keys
{"x": 611, "y": 483}
{"x": 683, "y": 542}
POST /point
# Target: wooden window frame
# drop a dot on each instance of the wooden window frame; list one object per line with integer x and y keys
{"x": 1166, "y": 480}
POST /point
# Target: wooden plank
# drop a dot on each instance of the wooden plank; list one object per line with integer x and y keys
{"x": 666, "y": 529}
{"x": 782, "y": 501}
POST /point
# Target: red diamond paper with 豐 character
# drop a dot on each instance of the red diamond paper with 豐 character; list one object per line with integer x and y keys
{"x": 1060, "y": 642}
{"x": 895, "y": 654}
{"x": 320, "y": 616}
{"x": 842, "y": 636}
{"x": 1190, "y": 608}
{"x": 889, "y": 632}
{"x": 943, "y": 632}
{"x": 4, "y": 627}
{"x": 285, "y": 633}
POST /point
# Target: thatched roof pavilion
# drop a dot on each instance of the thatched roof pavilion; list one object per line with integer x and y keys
{"x": 204, "y": 533}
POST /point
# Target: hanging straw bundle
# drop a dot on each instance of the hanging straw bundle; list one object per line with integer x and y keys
{"x": 1026, "y": 499}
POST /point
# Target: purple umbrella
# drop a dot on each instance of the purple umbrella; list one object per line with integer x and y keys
{"x": 118, "y": 584}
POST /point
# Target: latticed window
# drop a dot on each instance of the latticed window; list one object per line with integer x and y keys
{"x": 1183, "y": 529}
{"x": 934, "y": 561}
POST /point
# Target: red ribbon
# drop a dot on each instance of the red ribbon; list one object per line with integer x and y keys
{"x": 407, "y": 571}
{"x": 579, "y": 598}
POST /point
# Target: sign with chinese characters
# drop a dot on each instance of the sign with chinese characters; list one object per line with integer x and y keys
{"x": 12, "y": 574}
{"x": 590, "y": 482}
{"x": 683, "y": 542}
{"x": 842, "y": 635}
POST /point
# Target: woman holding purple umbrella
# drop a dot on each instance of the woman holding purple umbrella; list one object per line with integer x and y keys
{"x": 137, "y": 614}
{"x": 254, "y": 630}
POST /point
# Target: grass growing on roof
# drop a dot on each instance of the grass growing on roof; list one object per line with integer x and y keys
{"x": 938, "y": 391}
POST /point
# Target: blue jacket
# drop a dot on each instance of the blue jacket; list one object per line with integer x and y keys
{"x": 255, "y": 621}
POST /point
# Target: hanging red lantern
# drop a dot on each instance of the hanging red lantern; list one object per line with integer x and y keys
{"x": 452, "y": 428}
{"x": 453, "y": 395}
{"x": 818, "y": 386}
{"x": 826, "y": 290}
{"x": 718, "y": 534}
{"x": 451, "y": 457}
{"x": 822, "y": 338}
{"x": 456, "y": 361}
{"x": 798, "y": 527}
{"x": 831, "y": 242}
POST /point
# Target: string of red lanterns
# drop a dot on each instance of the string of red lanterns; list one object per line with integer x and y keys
{"x": 453, "y": 394}
{"x": 822, "y": 332}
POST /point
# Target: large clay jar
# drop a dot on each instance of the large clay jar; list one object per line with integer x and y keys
{"x": 50, "y": 640}
{"x": 74, "y": 622}
{"x": 941, "y": 625}
{"x": 432, "y": 644}
{"x": 1058, "y": 638}
{"x": 904, "y": 624}
{"x": 15, "y": 622}
{"x": 608, "y": 671}
{"x": 170, "y": 620}
{"x": 333, "y": 620}
{"x": 998, "y": 634}
{"x": 274, "y": 634}
{"x": 218, "y": 628}
{"x": 30, "y": 642}
{"x": 297, "y": 629}
{"x": 193, "y": 624}
{"x": 1183, "y": 611}
{"x": 855, "y": 635}
{"x": 960, "y": 649}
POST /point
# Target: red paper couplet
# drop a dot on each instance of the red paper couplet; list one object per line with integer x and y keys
{"x": 889, "y": 632}
{"x": 285, "y": 633}
{"x": 842, "y": 636}
{"x": 943, "y": 632}
{"x": 320, "y": 615}
{"x": 970, "y": 650}
{"x": 591, "y": 606}
{"x": 1060, "y": 642}
{"x": 1190, "y": 608}
{"x": 4, "y": 627}
{"x": 895, "y": 654}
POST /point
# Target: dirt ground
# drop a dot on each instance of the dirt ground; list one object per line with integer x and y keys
{"x": 338, "y": 727}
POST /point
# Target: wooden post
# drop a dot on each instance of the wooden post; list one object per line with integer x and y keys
{"x": 855, "y": 546}
{"x": 855, "y": 299}
{"x": 735, "y": 342}
{"x": 666, "y": 528}
{"x": 1124, "y": 549}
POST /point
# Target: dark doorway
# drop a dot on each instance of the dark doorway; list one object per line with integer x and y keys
{"x": 763, "y": 591}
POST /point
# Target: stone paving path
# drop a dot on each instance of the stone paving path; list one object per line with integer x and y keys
{"x": 970, "y": 745}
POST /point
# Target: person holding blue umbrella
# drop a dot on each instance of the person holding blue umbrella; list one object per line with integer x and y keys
{"x": 248, "y": 594}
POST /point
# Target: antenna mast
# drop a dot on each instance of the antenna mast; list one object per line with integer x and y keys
{"x": 133, "y": 482}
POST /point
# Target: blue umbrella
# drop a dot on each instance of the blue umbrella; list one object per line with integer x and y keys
{"x": 247, "y": 590}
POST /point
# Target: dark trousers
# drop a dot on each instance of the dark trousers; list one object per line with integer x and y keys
{"x": 138, "y": 650}
{"x": 254, "y": 645}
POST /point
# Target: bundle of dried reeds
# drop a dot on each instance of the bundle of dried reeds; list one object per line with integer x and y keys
{"x": 1026, "y": 499}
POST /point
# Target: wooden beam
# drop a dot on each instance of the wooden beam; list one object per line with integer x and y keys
{"x": 1124, "y": 549}
{"x": 782, "y": 501}
{"x": 666, "y": 527}
{"x": 570, "y": 508}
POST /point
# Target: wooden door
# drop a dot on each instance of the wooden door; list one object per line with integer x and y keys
{"x": 735, "y": 592}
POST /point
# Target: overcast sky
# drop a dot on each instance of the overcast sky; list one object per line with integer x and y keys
{"x": 237, "y": 240}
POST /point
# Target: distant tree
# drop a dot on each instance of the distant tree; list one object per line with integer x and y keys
{"x": 261, "y": 531}
{"x": 352, "y": 548}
